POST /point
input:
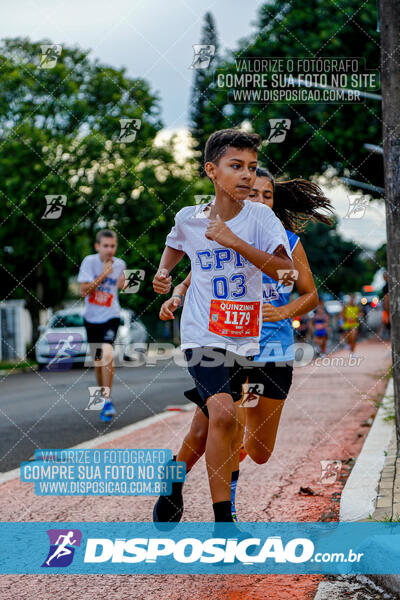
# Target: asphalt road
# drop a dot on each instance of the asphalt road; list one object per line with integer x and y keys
{"x": 47, "y": 410}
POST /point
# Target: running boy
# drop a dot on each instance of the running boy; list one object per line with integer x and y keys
{"x": 101, "y": 275}
{"x": 229, "y": 249}
{"x": 294, "y": 202}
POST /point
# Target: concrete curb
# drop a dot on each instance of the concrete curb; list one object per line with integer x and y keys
{"x": 352, "y": 586}
{"x": 358, "y": 499}
{"x": 358, "y": 502}
{"x": 15, "y": 370}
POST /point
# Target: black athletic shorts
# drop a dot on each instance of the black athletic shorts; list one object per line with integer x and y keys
{"x": 102, "y": 333}
{"x": 265, "y": 379}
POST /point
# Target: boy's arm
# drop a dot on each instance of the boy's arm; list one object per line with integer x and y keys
{"x": 121, "y": 281}
{"x": 162, "y": 279}
{"x": 121, "y": 277}
{"x": 269, "y": 264}
{"x": 170, "y": 258}
{"x": 177, "y": 299}
{"x": 86, "y": 287}
{"x": 188, "y": 279}
{"x": 181, "y": 289}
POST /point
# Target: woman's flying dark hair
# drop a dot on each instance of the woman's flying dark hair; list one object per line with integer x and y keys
{"x": 297, "y": 201}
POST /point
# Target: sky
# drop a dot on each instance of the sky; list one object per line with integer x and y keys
{"x": 153, "y": 39}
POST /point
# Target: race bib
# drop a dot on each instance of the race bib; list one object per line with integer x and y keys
{"x": 100, "y": 298}
{"x": 234, "y": 319}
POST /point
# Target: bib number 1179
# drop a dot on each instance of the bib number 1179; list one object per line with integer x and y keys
{"x": 234, "y": 319}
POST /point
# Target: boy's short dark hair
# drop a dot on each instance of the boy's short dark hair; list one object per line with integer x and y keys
{"x": 105, "y": 233}
{"x": 218, "y": 143}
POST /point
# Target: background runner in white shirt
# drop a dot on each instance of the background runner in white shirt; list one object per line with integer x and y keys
{"x": 101, "y": 276}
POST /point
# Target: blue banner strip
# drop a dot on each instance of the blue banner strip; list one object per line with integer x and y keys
{"x": 141, "y": 548}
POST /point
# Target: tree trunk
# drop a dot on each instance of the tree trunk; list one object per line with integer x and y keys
{"x": 390, "y": 79}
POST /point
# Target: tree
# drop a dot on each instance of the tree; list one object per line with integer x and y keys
{"x": 202, "y": 84}
{"x": 336, "y": 264}
{"x": 61, "y": 135}
{"x": 320, "y": 134}
{"x": 390, "y": 56}
{"x": 381, "y": 256}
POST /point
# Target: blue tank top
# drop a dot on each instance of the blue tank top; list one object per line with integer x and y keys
{"x": 276, "y": 340}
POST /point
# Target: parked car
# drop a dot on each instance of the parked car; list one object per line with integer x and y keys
{"x": 137, "y": 333}
{"x": 370, "y": 297}
{"x": 65, "y": 332}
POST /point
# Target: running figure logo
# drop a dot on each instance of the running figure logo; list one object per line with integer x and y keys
{"x": 54, "y": 206}
{"x": 357, "y": 207}
{"x": 50, "y": 54}
{"x": 62, "y": 542}
{"x": 330, "y": 469}
{"x": 64, "y": 347}
{"x": 286, "y": 278}
{"x": 97, "y": 397}
{"x": 279, "y": 129}
{"x": 129, "y": 128}
{"x": 204, "y": 198}
{"x": 203, "y": 54}
{"x": 284, "y": 285}
{"x": 202, "y": 207}
{"x": 251, "y": 394}
{"x": 133, "y": 279}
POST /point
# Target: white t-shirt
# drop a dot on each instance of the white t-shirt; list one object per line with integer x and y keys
{"x": 102, "y": 304}
{"x": 225, "y": 293}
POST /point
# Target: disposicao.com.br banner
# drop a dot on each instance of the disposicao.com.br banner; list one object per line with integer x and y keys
{"x": 192, "y": 548}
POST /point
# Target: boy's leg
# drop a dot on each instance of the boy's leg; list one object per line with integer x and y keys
{"x": 106, "y": 365}
{"x": 221, "y": 432}
{"x": 237, "y": 442}
{"x": 194, "y": 443}
{"x": 99, "y": 373}
{"x": 105, "y": 368}
{"x": 104, "y": 374}
{"x": 169, "y": 509}
{"x": 100, "y": 337}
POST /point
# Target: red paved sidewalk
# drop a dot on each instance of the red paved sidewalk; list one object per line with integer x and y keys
{"x": 323, "y": 419}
